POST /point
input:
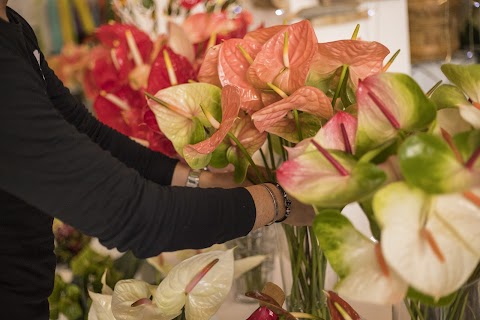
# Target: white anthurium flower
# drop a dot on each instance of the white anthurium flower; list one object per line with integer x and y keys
{"x": 165, "y": 261}
{"x": 101, "y": 308}
{"x": 200, "y": 283}
{"x": 431, "y": 241}
{"x": 131, "y": 301}
{"x": 358, "y": 261}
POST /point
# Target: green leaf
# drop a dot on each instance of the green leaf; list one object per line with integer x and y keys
{"x": 219, "y": 156}
{"x": 428, "y": 162}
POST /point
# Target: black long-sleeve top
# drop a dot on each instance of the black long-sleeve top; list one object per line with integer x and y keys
{"x": 57, "y": 160}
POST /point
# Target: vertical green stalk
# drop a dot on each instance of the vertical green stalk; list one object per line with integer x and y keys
{"x": 247, "y": 155}
{"x": 270, "y": 151}
{"x": 297, "y": 124}
{"x": 341, "y": 83}
{"x": 269, "y": 171}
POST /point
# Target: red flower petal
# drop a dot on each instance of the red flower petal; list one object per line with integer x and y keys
{"x": 263, "y": 313}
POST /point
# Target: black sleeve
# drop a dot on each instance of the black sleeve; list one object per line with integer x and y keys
{"x": 49, "y": 164}
{"x": 151, "y": 165}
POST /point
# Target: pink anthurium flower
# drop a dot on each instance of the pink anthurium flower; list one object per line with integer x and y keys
{"x": 363, "y": 59}
{"x": 209, "y": 69}
{"x": 262, "y": 35}
{"x": 327, "y": 178}
{"x": 339, "y": 133}
{"x": 307, "y": 99}
{"x": 230, "y": 109}
{"x": 234, "y": 58}
{"x": 285, "y": 59}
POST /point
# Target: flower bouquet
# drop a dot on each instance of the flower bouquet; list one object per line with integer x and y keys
{"x": 345, "y": 131}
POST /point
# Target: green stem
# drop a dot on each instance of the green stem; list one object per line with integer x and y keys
{"x": 269, "y": 171}
{"x": 340, "y": 85}
{"x": 247, "y": 155}
{"x": 270, "y": 151}
{"x": 297, "y": 124}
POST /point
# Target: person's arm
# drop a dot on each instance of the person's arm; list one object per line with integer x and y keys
{"x": 46, "y": 162}
{"x": 151, "y": 165}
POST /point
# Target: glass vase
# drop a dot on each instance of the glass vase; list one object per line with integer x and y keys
{"x": 303, "y": 271}
{"x": 258, "y": 242}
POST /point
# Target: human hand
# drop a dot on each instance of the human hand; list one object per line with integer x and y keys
{"x": 301, "y": 214}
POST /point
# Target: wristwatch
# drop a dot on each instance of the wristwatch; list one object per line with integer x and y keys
{"x": 193, "y": 179}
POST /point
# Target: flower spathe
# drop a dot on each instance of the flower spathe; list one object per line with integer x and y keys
{"x": 199, "y": 284}
{"x": 439, "y": 237}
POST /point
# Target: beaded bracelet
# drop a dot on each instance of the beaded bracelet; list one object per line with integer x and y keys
{"x": 275, "y": 205}
{"x": 286, "y": 201}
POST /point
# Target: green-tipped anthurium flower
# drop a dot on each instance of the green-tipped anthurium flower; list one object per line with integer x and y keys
{"x": 358, "y": 261}
{"x": 326, "y": 178}
{"x": 387, "y": 104}
{"x": 467, "y": 81}
{"x": 194, "y": 153}
{"x": 431, "y": 241}
{"x": 179, "y": 113}
{"x": 430, "y": 163}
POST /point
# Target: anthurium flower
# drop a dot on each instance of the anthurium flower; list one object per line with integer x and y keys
{"x": 262, "y": 35}
{"x": 339, "y": 308}
{"x": 178, "y": 41}
{"x": 200, "y": 284}
{"x": 467, "y": 82}
{"x": 249, "y": 138}
{"x": 193, "y": 153}
{"x": 209, "y": 69}
{"x": 101, "y": 307}
{"x": 263, "y": 313}
{"x": 326, "y": 178}
{"x": 285, "y": 59}
{"x": 358, "y": 261}
{"x": 388, "y": 103}
{"x": 363, "y": 58}
{"x": 121, "y": 109}
{"x": 306, "y": 99}
{"x": 426, "y": 238}
{"x": 179, "y": 114}
{"x": 432, "y": 164}
{"x": 131, "y": 300}
{"x": 155, "y": 137}
{"x": 169, "y": 69}
{"x": 189, "y": 4}
{"x": 234, "y": 58}
{"x": 100, "y": 73}
{"x": 338, "y": 133}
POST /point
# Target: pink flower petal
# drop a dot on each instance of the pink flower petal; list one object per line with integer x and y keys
{"x": 307, "y": 99}
{"x": 209, "y": 69}
{"x": 269, "y": 65}
{"x": 262, "y": 35}
{"x": 332, "y": 136}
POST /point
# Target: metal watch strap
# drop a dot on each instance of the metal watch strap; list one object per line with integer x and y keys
{"x": 193, "y": 179}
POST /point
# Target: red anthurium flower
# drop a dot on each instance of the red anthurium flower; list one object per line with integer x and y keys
{"x": 123, "y": 110}
{"x": 189, "y": 4}
{"x": 364, "y": 58}
{"x": 307, "y": 99}
{"x": 100, "y": 73}
{"x": 285, "y": 59}
{"x": 263, "y": 313}
{"x": 169, "y": 69}
{"x": 339, "y": 308}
